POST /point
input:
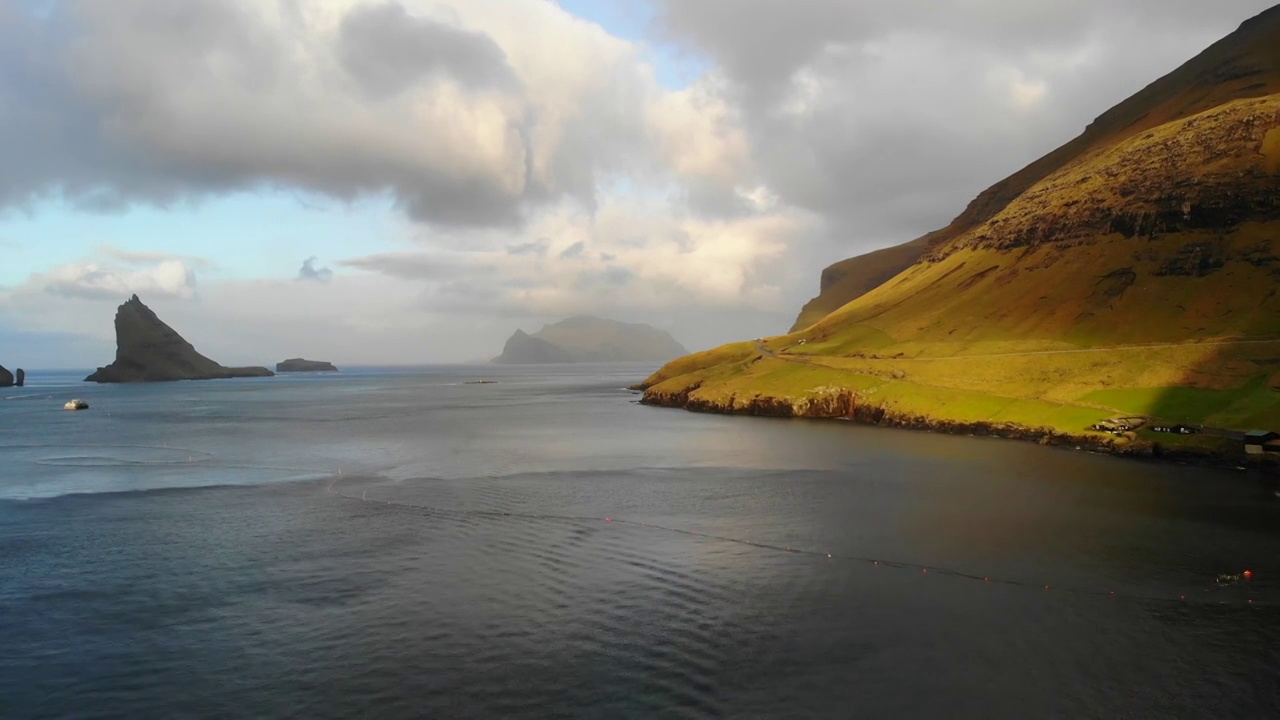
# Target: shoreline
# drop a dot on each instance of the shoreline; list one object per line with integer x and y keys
{"x": 847, "y": 408}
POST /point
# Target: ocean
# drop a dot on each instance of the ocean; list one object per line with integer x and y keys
{"x": 401, "y": 542}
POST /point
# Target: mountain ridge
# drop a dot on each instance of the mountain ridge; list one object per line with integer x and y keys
{"x": 1245, "y": 64}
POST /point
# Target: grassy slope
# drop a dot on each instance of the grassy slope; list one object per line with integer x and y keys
{"x": 1245, "y": 64}
{"x": 1050, "y": 273}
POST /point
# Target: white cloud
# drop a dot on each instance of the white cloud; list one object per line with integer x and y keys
{"x": 1027, "y": 94}
{"x": 168, "y": 278}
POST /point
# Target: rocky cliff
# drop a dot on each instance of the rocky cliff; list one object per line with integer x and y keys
{"x": 590, "y": 339}
{"x": 300, "y": 365}
{"x": 6, "y": 377}
{"x": 148, "y": 350}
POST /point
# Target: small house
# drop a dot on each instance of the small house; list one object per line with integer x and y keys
{"x": 1118, "y": 426}
{"x": 1179, "y": 429}
{"x": 1257, "y": 442}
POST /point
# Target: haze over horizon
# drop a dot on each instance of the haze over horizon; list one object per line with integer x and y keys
{"x": 401, "y": 182}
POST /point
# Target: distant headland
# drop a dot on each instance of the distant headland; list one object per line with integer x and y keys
{"x": 590, "y": 339}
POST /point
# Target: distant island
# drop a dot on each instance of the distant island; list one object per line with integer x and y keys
{"x": 590, "y": 339}
{"x": 148, "y": 350}
{"x": 300, "y": 365}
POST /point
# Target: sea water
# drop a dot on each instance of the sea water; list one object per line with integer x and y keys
{"x": 405, "y": 543}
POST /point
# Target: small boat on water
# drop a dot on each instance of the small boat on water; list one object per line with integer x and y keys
{"x": 76, "y": 404}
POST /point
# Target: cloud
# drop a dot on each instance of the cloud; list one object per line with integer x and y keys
{"x": 428, "y": 266}
{"x": 169, "y": 278}
{"x": 148, "y": 257}
{"x": 538, "y": 247}
{"x": 389, "y": 51}
{"x": 538, "y": 166}
{"x": 469, "y": 113}
{"x": 627, "y": 258}
{"x": 886, "y": 118}
{"x": 309, "y": 271}
{"x": 573, "y": 251}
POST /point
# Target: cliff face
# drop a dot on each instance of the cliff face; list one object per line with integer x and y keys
{"x": 6, "y": 377}
{"x": 300, "y": 365}
{"x": 589, "y": 339}
{"x": 148, "y": 350}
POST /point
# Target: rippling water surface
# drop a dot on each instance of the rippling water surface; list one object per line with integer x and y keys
{"x": 402, "y": 543}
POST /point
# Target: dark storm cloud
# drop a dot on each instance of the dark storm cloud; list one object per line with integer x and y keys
{"x": 309, "y": 271}
{"x": 886, "y": 117}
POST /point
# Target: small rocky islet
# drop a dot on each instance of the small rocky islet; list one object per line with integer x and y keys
{"x": 296, "y": 365}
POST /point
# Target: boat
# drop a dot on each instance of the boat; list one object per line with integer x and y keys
{"x": 76, "y": 404}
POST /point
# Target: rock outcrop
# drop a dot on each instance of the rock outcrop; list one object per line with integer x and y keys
{"x": 148, "y": 350}
{"x": 21, "y": 377}
{"x": 300, "y": 365}
{"x": 590, "y": 339}
{"x": 6, "y": 377}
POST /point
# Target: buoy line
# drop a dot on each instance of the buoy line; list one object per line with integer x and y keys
{"x": 1181, "y": 599}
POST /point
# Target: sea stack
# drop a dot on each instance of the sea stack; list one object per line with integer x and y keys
{"x": 300, "y": 365}
{"x": 6, "y": 377}
{"x": 21, "y": 378}
{"x": 148, "y": 350}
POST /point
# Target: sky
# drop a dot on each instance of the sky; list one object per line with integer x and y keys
{"x": 410, "y": 181}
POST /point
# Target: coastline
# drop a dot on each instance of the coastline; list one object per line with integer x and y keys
{"x": 848, "y": 406}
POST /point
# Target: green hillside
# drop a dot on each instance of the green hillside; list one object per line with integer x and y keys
{"x": 1246, "y": 64}
{"x": 1134, "y": 272}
